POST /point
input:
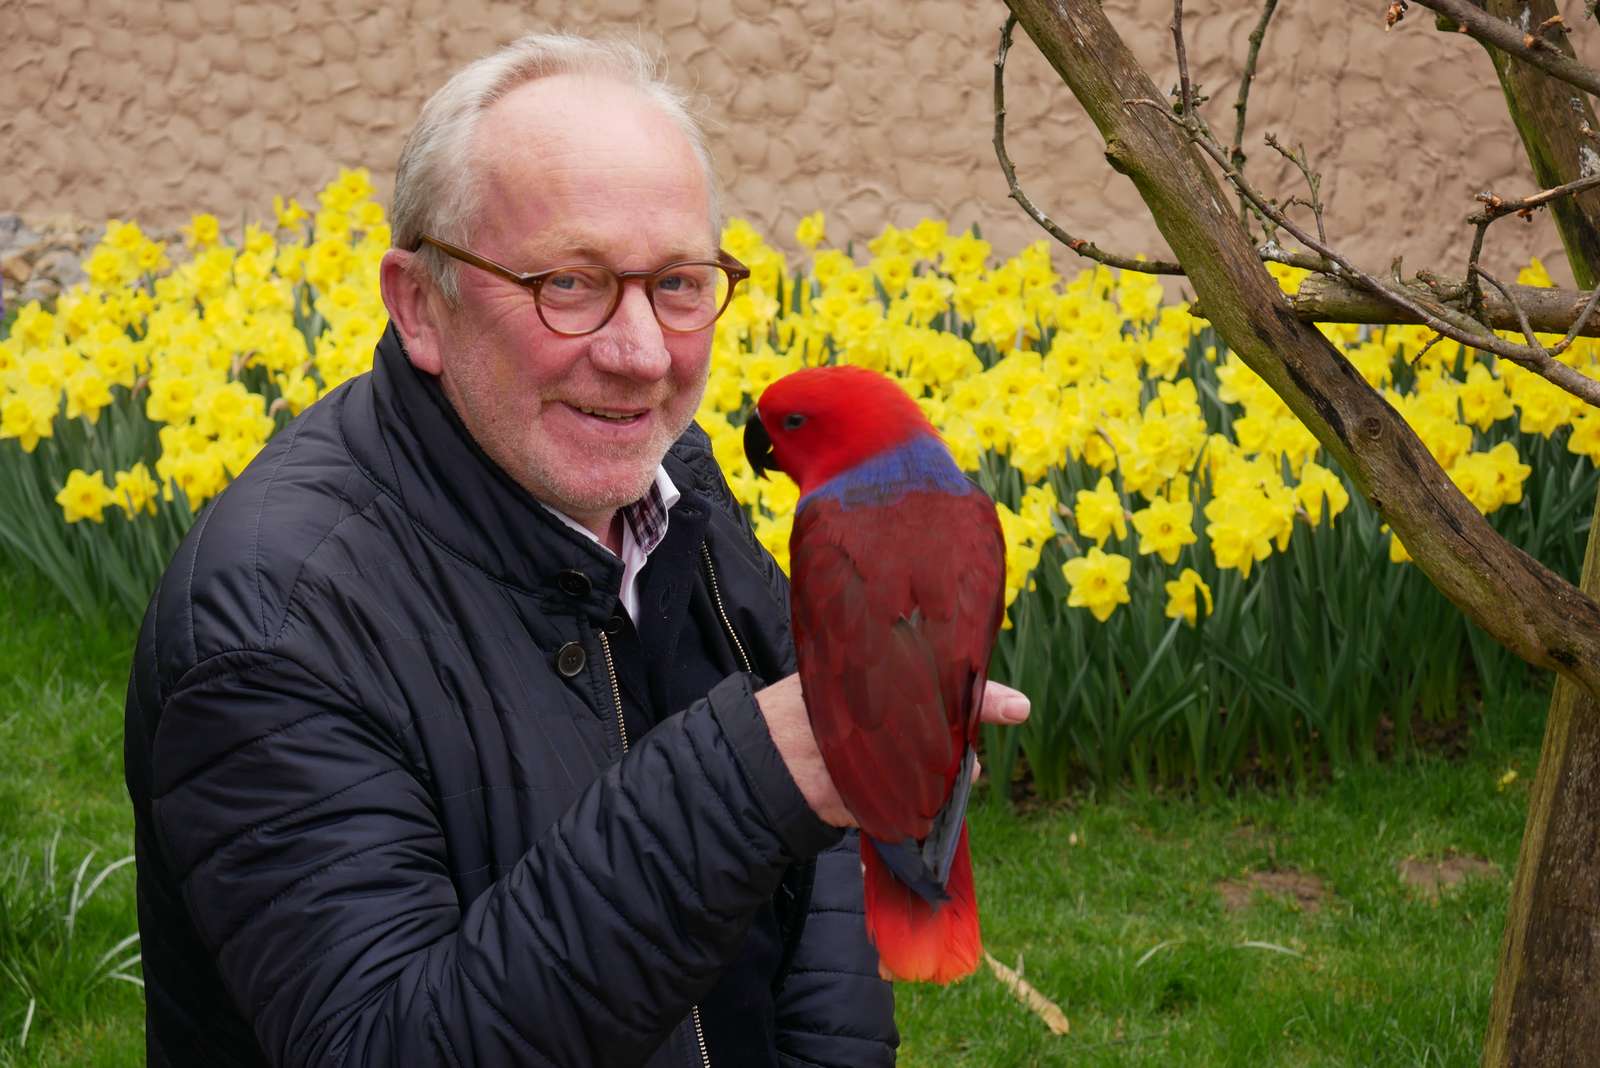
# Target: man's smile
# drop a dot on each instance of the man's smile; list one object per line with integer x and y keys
{"x": 618, "y": 415}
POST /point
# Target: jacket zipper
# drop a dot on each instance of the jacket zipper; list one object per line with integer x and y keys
{"x": 716, "y": 597}
{"x": 622, "y": 733}
{"x": 616, "y": 692}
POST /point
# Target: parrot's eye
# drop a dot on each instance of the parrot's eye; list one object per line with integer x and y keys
{"x": 794, "y": 421}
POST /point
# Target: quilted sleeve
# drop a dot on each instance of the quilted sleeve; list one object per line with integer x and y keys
{"x": 832, "y": 1008}
{"x": 312, "y": 862}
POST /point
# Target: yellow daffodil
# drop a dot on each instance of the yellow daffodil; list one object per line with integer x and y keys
{"x": 1397, "y": 550}
{"x": 28, "y": 415}
{"x": 1184, "y": 595}
{"x": 1098, "y": 582}
{"x": 135, "y": 491}
{"x": 85, "y": 496}
{"x": 1165, "y": 527}
{"x": 811, "y": 231}
{"x": 202, "y": 232}
{"x": 87, "y": 392}
{"x": 1534, "y": 274}
{"x": 1099, "y": 512}
{"x": 1319, "y": 486}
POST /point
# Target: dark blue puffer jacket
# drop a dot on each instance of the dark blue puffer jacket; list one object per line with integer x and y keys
{"x": 383, "y": 811}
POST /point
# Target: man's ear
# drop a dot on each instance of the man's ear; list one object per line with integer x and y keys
{"x": 414, "y": 310}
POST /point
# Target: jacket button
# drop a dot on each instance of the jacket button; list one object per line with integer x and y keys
{"x": 570, "y": 659}
{"x": 573, "y": 583}
{"x": 613, "y": 626}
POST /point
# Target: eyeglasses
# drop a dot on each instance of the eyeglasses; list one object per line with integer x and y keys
{"x": 687, "y": 295}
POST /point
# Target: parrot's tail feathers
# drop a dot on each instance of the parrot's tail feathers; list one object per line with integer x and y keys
{"x": 918, "y": 941}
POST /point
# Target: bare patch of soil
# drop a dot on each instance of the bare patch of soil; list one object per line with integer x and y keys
{"x": 1428, "y": 877}
{"x": 1448, "y": 738}
{"x": 1305, "y": 892}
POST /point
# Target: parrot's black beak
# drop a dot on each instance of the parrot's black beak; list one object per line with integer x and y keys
{"x": 758, "y": 446}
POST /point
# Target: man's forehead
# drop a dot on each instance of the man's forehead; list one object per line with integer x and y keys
{"x": 568, "y": 114}
{"x": 569, "y": 161}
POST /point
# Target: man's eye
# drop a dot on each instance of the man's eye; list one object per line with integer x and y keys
{"x": 570, "y": 281}
{"x": 676, "y": 283}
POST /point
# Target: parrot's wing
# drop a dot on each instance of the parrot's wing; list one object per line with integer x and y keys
{"x": 895, "y": 612}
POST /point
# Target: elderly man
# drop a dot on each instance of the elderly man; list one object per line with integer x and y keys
{"x": 449, "y": 737}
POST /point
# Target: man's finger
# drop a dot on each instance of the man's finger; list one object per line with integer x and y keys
{"x": 1003, "y": 705}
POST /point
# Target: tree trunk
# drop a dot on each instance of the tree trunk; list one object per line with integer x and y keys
{"x": 1548, "y": 986}
{"x": 1538, "y": 615}
{"x": 1548, "y": 114}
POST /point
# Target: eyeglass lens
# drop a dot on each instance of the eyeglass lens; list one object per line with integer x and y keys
{"x": 686, "y": 297}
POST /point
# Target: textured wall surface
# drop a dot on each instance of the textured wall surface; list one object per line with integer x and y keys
{"x": 873, "y": 110}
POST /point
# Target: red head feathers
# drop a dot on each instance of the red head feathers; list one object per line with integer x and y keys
{"x": 816, "y": 422}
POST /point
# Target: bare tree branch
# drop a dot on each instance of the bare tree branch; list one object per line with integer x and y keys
{"x": 1423, "y": 351}
{"x": 1239, "y": 105}
{"x": 1475, "y": 291}
{"x": 1313, "y": 180}
{"x": 1522, "y": 316}
{"x": 1082, "y": 247}
{"x": 1186, "y": 106}
{"x": 1526, "y": 43}
{"x": 1443, "y": 320}
{"x": 1323, "y": 298}
{"x": 1427, "y": 304}
{"x": 1498, "y": 207}
{"x": 1581, "y": 321}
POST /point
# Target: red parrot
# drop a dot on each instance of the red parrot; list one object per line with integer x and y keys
{"x": 897, "y": 567}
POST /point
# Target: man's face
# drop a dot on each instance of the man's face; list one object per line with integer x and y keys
{"x": 578, "y": 170}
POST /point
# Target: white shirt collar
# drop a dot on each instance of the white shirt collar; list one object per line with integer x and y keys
{"x": 644, "y": 526}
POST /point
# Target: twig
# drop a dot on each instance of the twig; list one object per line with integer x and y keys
{"x": 1475, "y": 291}
{"x": 1313, "y": 179}
{"x": 1522, "y": 316}
{"x": 1185, "y": 91}
{"x": 1527, "y": 329}
{"x": 1432, "y": 341}
{"x": 1272, "y": 252}
{"x": 1239, "y": 105}
{"x": 1025, "y": 992}
{"x": 1580, "y": 322}
{"x": 1498, "y": 207}
{"x": 1082, "y": 247}
{"x": 1514, "y": 41}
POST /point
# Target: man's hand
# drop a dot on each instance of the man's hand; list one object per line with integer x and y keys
{"x": 784, "y": 708}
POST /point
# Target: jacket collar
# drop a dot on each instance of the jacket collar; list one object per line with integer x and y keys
{"x": 406, "y": 435}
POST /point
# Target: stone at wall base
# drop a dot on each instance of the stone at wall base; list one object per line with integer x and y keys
{"x": 39, "y": 261}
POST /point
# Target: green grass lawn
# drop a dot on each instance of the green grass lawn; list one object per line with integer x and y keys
{"x": 1112, "y": 905}
{"x": 61, "y": 793}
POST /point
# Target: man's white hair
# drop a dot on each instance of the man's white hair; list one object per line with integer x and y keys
{"x": 436, "y": 188}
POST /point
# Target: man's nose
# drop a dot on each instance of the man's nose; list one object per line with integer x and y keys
{"x": 632, "y": 343}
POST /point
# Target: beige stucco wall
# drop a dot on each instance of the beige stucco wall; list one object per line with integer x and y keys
{"x": 872, "y": 110}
